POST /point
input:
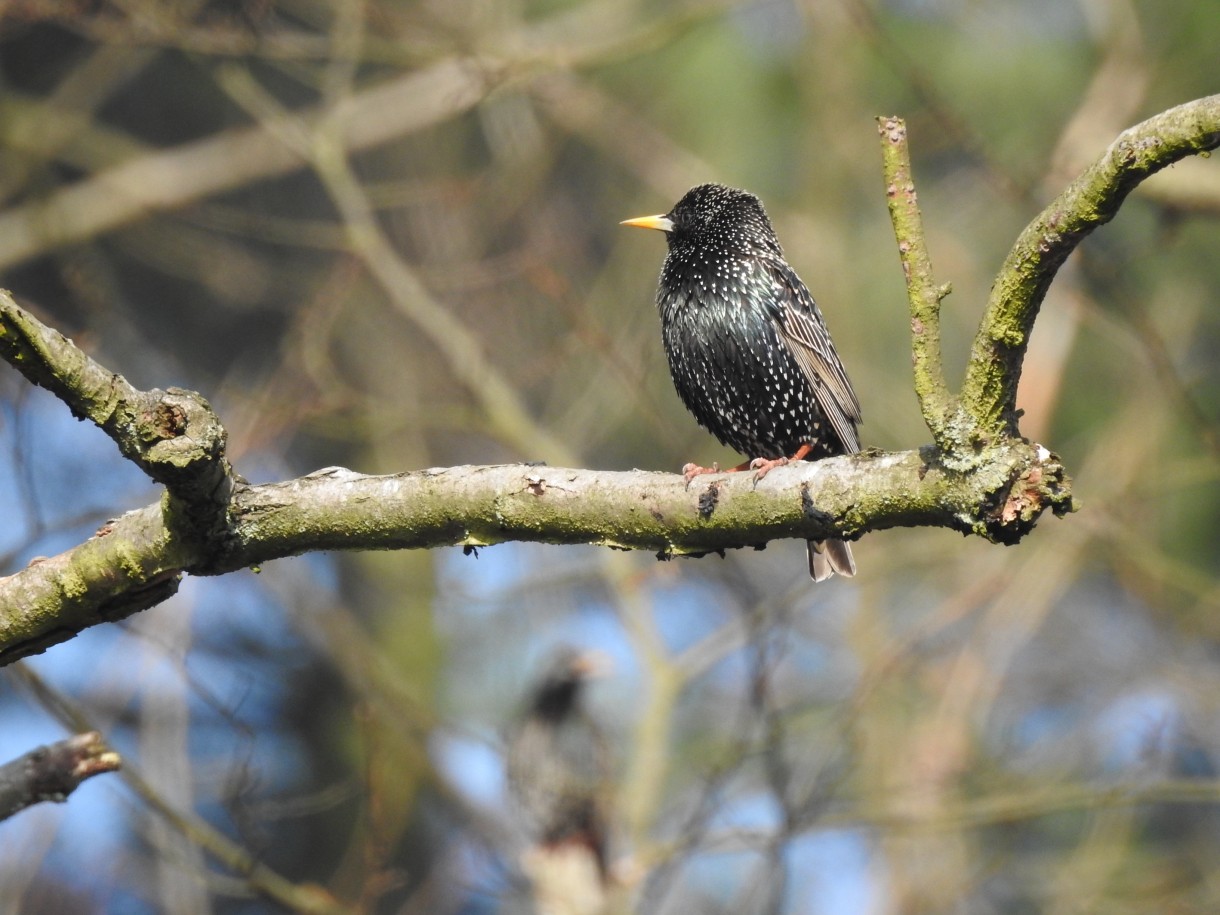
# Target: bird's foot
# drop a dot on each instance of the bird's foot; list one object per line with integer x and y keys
{"x": 763, "y": 466}
{"x": 692, "y": 470}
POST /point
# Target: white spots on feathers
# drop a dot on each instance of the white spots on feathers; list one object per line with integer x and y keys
{"x": 748, "y": 350}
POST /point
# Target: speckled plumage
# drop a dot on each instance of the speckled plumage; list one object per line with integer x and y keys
{"x": 747, "y": 346}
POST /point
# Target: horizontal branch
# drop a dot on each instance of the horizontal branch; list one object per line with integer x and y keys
{"x": 137, "y": 560}
{"x": 160, "y": 180}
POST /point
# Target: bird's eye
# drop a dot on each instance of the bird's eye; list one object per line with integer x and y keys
{"x": 701, "y": 218}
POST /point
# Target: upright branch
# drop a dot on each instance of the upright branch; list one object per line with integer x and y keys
{"x": 924, "y": 296}
{"x": 989, "y": 393}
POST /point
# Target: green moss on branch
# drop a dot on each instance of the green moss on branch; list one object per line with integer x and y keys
{"x": 994, "y": 371}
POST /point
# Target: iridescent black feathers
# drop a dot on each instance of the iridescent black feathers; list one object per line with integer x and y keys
{"x": 748, "y": 349}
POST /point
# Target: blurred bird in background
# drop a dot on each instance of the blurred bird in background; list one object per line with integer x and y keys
{"x": 748, "y": 349}
{"x": 559, "y": 784}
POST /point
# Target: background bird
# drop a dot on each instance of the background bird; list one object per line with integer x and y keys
{"x": 559, "y": 761}
{"x": 748, "y": 349}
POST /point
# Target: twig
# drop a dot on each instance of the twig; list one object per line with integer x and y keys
{"x": 504, "y": 411}
{"x": 53, "y": 772}
{"x": 589, "y": 34}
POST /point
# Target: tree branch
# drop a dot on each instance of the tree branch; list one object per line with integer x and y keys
{"x": 989, "y": 393}
{"x": 135, "y": 561}
{"x": 173, "y": 436}
{"x": 53, "y": 772}
{"x": 924, "y": 296}
{"x": 296, "y": 897}
{"x": 162, "y": 180}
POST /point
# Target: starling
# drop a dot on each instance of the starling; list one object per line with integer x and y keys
{"x": 558, "y": 760}
{"x": 748, "y": 350}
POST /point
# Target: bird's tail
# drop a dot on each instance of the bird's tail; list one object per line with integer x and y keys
{"x": 829, "y": 556}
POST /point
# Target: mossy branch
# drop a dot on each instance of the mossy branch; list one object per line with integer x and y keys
{"x": 136, "y": 560}
{"x": 923, "y": 295}
{"x": 964, "y": 426}
{"x": 989, "y": 393}
{"x": 174, "y": 436}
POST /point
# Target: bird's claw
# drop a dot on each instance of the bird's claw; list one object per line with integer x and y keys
{"x": 692, "y": 470}
{"x": 763, "y": 466}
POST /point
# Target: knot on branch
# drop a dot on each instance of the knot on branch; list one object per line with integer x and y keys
{"x": 179, "y": 441}
{"x": 1036, "y": 482}
{"x": 181, "y": 444}
{"x": 163, "y": 421}
{"x": 963, "y": 447}
{"x": 174, "y": 436}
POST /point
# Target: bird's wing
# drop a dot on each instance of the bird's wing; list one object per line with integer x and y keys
{"x": 801, "y": 327}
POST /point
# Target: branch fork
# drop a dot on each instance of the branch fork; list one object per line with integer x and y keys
{"x": 965, "y": 426}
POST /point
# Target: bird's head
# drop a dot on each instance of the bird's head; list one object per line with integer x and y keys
{"x": 715, "y": 216}
{"x": 558, "y": 693}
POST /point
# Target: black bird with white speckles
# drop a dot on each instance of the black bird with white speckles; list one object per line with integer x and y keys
{"x": 558, "y": 760}
{"x": 748, "y": 349}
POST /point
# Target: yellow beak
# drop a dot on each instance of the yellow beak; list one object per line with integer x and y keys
{"x": 662, "y": 223}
